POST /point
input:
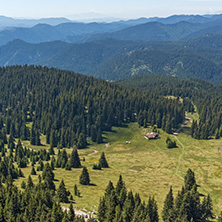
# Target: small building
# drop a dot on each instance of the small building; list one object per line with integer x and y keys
{"x": 151, "y": 136}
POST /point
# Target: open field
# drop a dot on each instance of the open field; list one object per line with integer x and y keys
{"x": 147, "y": 167}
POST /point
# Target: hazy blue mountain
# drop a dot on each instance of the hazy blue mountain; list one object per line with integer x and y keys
{"x": 11, "y": 22}
{"x": 174, "y": 19}
{"x": 45, "y": 33}
{"x": 156, "y": 31}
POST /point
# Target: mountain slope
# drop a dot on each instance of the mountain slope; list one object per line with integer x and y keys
{"x": 20, "y": 52}
{"x": 112, "y": 59}
{"x": 181, "y": 63}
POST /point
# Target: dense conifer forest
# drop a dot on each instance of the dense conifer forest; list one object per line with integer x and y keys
{"x": 205, "y": 96}
{"x": 70, "y": 108}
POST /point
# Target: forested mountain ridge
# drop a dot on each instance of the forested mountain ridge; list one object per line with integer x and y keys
{"x": 68, "y": 107}
{"x": 181, "y": 63}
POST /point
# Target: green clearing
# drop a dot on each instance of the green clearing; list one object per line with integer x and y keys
{"x": 147, "y": 166}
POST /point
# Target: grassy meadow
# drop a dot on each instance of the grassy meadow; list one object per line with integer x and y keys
{"x": 147, "y": 166}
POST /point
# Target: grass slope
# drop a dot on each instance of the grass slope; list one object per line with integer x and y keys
{"x": 147, "y": 167}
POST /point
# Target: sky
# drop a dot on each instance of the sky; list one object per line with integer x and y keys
{"x": 74, "y": 9}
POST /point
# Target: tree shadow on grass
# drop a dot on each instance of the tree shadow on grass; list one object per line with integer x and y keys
{"x": 201, "y": 195}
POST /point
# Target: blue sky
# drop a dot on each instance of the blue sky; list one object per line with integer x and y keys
{"x": 106, "y": 8}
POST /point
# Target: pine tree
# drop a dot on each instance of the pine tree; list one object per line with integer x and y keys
{"x": 48, "y": 177}
{"x": 102, "y": 161}
{"x": 128, "y": 208}
{"x": 108, "y": 190}
{"x": 113, "y": 202}
{"x": 62, "y": 193}
{"x": 76, "y": 191}
{"x": 167, "y": 213}
{"x": 37, "y": 138}
{"x": 207, "y": 208}
{"x": 81, "y": 141}
{"x": 51, "y": 150}
{"x": 11, "y": 144}
{"x": 217, "y": 134}
{"x": 101, "y": 215}
{"x": 71, "y": 213}
{"x": 152, "y": 210}
{"x": 30, "y": 184}
{"x": 185, "y": 209}
{"x": 53, "y": 139}
{"x": 74, "y": 159}
{"x": 99, "y": 138}
{"x": 118, "y": 214}
{"x": 189, "y": 180}
{"x": 65, "y": 217}
{"x": 119, "y": 186}
{"x": 84, "y": 177}
{"x": 33, "y": 136}
{"x": 23, "y": 184}
{"x": 93, "y": 133}
{"x": 33, "y": 172}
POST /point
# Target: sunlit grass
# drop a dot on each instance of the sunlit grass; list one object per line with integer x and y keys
{"x": 147, "y": 166}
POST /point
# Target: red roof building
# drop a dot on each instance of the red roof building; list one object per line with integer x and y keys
{"x": 151, "y": 136}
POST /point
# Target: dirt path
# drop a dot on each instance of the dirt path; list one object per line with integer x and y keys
{"x": 187, "y": 119}
{"x": 90, "y": 154}
{"x": 177, "y": 171}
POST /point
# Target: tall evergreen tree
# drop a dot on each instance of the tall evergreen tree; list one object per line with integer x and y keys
{"x": 102, "y": 161}
{"x": 120, "y": 185}
{"x": 62, "y": 193}
{"x": 71, "y": 213}
{"x": 81, "y": 141}
{"x": 84, "y": 178}
{"x": 189, "y": 180}
{"x": 74, "y": 159}
{"x": 168, "y": 208}
{"x": 101, "y": 215}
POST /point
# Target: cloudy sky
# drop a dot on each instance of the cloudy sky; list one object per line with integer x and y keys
{"x": 106, "y": 8}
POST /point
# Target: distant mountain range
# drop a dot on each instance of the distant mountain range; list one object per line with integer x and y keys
{"x": 181, "y": 45}
{"x": 143, "y": 29}
{"x": 112, "y": 59}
